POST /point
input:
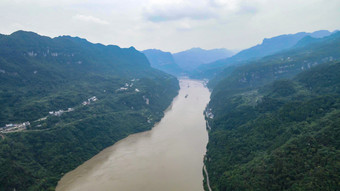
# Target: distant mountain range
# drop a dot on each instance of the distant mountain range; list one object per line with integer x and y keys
{"x": 284, "y": 64}
{"x": 184, "y": 62}
{"x": 190, "y": 59}
{"x": 201, "y": 63}
{"x": 267, "y": 47}
{"x": 163, "y": 61}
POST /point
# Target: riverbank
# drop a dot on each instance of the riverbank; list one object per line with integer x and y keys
{"x": 169, "y": 157}
{"x": 206, "y": 182}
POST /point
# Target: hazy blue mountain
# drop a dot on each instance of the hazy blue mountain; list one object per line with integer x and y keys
{"x": 190, "y": 59}
{"x": 79, "y": 98}
{"x": 163, "y": 61}
{"x": 301, "y": 50}
{"x": 308, "y": 52}
{"x": 267, "y": 47}
{"x": 321, "y": 33}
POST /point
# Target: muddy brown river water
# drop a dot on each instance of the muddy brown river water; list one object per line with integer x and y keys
{"x": 167, "y": 158}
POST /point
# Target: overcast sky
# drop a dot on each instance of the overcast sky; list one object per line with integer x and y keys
{"x": 170, "y": 25}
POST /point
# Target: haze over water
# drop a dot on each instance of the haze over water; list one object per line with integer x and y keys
{"x": 167, "y": 158}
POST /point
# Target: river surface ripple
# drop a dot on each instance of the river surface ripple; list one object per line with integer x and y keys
{"x": 167, "y": 158}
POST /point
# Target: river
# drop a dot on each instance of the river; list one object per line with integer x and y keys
{"x": 167, "y": 158}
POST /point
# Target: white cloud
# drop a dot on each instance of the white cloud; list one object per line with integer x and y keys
{"x": 177, "y": 10}
{"x": 170, "y": 25}
{"x": 90, "y": 19}
{"x": 229, "y": 4}
{"x": 163, "y": 11}
{"x": 184, "y": 25}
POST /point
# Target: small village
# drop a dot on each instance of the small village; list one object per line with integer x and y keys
{"x": 11, "y": 128}
{"x": 127, "y": 86}
{"x": 16, "y": 127}
{"x": 209, "y": 114}
{"x": 92, "y": 99}
{"x": 58, "y": 113}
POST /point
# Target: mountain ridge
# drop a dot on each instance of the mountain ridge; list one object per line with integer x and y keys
{"x": 190, "y": 59}
{"x": 67, "y": 99}
{"x": 163, "y": 61}
{"x": 267, "y": 47}
{"x": 276, "y": 119}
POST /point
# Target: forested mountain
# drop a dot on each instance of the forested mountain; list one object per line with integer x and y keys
{"x": 274, "y": 123}
{"x": 163, "y": 61}
{"x": 267, "y": 47}
{"x": 190, "y": 59}
{"x": 306, "y": 53}
{"x": 79, "y": 98}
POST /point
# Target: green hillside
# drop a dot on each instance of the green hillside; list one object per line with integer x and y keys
{"x": 307, "y": 53}
{"x": 281, "y": 136}
{"x": 269, "y": 46}
{"x": 275, "y": 123}
{"x": 97, "y": 95}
